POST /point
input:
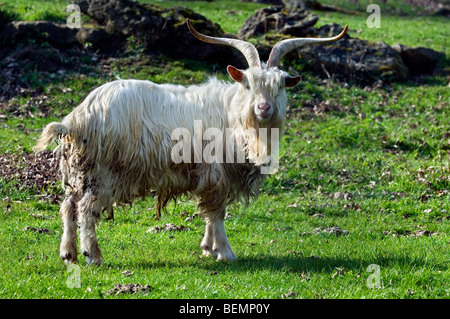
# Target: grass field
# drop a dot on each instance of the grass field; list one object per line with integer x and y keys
{"x": 375, "y": 164}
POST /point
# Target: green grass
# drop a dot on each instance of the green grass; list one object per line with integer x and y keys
{"x": 378, "y": 168}
{"x": 414, "y": 31}
{"x": 52, "y": 10}
{"x": 226, "y": 13}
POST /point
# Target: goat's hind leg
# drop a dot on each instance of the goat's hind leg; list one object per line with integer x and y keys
{"x": 89, "y": 210}
{"x": 68, "y": 247}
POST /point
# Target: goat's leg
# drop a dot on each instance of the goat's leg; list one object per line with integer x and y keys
{"x": 221, "y": 244}
{"x": 89, "y": 209}
{"x": 215, "y": 226}
{"x": 68, "y": 247}
{"x": 208, "y": 240}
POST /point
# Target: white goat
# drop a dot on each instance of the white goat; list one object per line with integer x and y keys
{"x": 116, "y": 145}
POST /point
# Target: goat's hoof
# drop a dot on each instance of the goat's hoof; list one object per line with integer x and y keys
{"x": 226, "y": 256}
{"x": 207, "y": 251}
{"x": 91, "y": 259}
{"x": 68, "y": 258}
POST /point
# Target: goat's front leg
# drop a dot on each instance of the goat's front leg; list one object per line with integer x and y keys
{"x": 88, "y": 216}
{"x": 208, "y": 240}
{"x": 215, "y": 241}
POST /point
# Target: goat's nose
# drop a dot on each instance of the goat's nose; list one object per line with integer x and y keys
{"x": 264, "y": 106}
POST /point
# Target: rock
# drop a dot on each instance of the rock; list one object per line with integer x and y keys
{"x": 161, "y": 30}
{"x": 310, "y": 5}
{"x": 302, "y": 4}
{"x": 60, "y": 36}
{"x": 434, "y": 7}
{"x": 301, "y": 28}
{"x": 295, "y": 22}
{"x": 99, "y": 40}
{"x": 47, "y": 59}
{"x": 419, "y": 60}
{"x": 442, "y": 10}
{"x": 351, "y": 59}
{"x": 6, "y": 17}
{"x": 55, "y": 34}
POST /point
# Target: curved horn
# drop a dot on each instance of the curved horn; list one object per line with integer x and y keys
{"x": 285, "y": 46}
{"x": 247, "y": 49}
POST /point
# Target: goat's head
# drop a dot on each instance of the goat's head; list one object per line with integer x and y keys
{"x": 263, "y": 84}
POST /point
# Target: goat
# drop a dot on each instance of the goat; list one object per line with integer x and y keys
{"x": 116, "y": 145}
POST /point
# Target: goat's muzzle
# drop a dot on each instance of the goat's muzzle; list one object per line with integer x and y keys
{"x": 264, "y": 111}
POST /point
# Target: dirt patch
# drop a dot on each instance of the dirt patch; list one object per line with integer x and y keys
{"x": 340, "y": 195}
{"x": 39, "y": 230}
{"x": 409, "y": 233}
{"x": 332, "y": 230}
{"x": 129, "y": 289}
{"x": 25, "y": 69}
{"x": 324, "y": 106}
{"x": 38, "y": 105}
{"x": 290, "y": 294}
{"x": 167, "y": 227}
{"x": 37, "y": 172}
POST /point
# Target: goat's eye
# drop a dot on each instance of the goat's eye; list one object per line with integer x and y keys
{"x": 247, "y": 86}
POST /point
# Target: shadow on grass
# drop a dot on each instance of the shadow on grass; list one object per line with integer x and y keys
{"x": 286, "y": 264}
{"x": 302, "y": 264}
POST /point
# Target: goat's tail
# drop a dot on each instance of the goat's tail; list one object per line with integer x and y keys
{"x": 50, "y": 133}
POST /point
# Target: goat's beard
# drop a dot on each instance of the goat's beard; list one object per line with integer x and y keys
{"x": 254, "y": 140}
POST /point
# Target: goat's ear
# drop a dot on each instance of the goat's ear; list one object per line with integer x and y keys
{"x": 235, "y": 73}
{"x": 291, "y": 81}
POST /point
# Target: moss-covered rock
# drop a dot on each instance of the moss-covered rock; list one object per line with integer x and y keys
{"x": 419, "y": 60}
{"x": 42, "y": 31}
{"x": 295, "y": 22}
{"x": 161, "y": 30}
{"x": 354, "y": 60}
{"x": 349, "y": 59}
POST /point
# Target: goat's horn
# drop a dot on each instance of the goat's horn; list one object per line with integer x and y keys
{"x": 247, "y": 49}
{"x": 285, "y": 46}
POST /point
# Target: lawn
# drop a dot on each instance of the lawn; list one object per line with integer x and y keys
{"x": 362, "y": 185}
